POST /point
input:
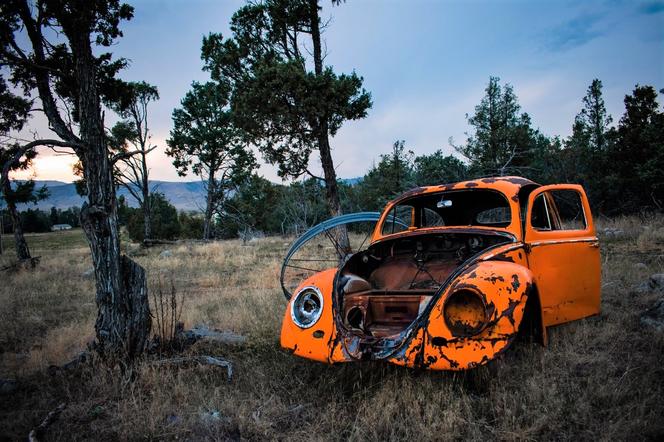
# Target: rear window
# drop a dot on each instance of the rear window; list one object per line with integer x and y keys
{"x": 481, "y": 207}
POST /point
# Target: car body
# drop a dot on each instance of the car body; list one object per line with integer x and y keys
{"x": 450, "y": 276}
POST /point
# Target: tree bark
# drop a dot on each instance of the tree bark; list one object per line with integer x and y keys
{"x": 123, "y": 320}
{"x": 324, "y": 149}
{"x": 145, "y": 188}
{"x": 22, "y": 250}
{"x": 209, "y": 206}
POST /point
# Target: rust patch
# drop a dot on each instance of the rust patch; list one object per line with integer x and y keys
{"x": 510, "y": 179}
{"x": 494, "y": 278}
{"x": 515, "y": 282}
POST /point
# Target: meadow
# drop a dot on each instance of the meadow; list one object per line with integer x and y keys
{"x": 601, "y": 378}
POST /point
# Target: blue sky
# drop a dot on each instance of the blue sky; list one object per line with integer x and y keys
{"x": 425, "y": 62}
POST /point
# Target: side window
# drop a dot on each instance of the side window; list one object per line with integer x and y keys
{"x": 558, "y": 210}
{"x": 540, "y": 218}
{"x": 430, "y": 218}
{"x": 569, "y": 210}
{"x": 398, "y": 220}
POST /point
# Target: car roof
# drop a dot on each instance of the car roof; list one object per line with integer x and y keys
{"x": 508, "y": 185}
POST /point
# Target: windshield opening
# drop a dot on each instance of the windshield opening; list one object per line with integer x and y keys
{"x": 453, "y": 208}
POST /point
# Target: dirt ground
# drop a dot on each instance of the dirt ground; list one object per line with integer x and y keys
{"x": 599, "y": 378}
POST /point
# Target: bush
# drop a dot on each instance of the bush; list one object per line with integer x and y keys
{"x": 164, "y": 218}
{"x": 191, "y": 225}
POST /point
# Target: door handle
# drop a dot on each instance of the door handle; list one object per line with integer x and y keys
{"x": 594, "y": 244}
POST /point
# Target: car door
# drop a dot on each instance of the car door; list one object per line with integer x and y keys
{"x": 563, "y": 252}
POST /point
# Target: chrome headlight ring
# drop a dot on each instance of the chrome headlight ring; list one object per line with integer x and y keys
{"x": 307, "y": 307}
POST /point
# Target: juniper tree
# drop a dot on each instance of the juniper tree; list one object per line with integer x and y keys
{"x": 288, "y": 109}
{"x": 205, "y": 141}
{"x": 50, "y": 48}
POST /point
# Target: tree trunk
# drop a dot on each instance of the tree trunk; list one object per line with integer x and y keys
{"x": 145, "y": 188}
{"x": 209, "y": 207}
{"x": 123, "y": 320}
{"x": 324, "y": 149}
{"x": 22, "y": 250}
{"x": 147, "y": 209}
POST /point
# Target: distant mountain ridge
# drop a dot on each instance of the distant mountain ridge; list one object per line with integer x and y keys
{"x": 186, "y": 196}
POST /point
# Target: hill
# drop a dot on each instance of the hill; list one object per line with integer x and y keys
{"x": 183, "y": 195}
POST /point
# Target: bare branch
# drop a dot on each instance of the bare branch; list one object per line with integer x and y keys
{"x": 124, "y": 155}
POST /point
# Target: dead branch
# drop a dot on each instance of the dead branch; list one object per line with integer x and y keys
{"x": 36, "y": 433}
{"x": 124, "y": 155}
{"x": 201, "y": 359}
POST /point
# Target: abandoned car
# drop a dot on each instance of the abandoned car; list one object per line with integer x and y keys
{"x": 450, "y": 276}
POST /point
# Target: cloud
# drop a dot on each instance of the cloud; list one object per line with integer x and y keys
{"x": 574, "y": 33}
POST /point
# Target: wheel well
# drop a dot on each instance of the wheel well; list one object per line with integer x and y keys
{"x": 532, "y": 328}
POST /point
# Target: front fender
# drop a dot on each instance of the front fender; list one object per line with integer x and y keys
{"x": 505, "y": 287}
{"x": 313, "y": 342}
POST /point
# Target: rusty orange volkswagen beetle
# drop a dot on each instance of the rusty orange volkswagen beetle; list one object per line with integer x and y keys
{"x": 450, "y": 276}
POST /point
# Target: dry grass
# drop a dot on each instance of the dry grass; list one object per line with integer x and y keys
{"x": 600, "y": 378}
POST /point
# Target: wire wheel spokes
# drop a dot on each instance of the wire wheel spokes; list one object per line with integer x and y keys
{"x": 324, "y": 246}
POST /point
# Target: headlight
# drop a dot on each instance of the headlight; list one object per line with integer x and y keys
{"x": 465, "y": 313}
{"x": 307, "y": 307}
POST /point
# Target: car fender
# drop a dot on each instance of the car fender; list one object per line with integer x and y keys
{"x": 504, "y": 287}
{"x": 313, "y": 342}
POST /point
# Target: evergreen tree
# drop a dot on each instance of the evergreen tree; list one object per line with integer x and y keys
{"x": 391, "y": 176}
{"x": 286, "y": 109}
{"x": 54, "y": 50}
{"x": 501, "y": 139}
{"x": 439, "y": 168}
{"x": 636, "y": 156}
{"x": 205, "y": 140}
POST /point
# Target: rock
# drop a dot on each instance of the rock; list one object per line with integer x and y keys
{"x": 89, "y": 273}
{"x": 640, "y": 266}
{"x": 657, "y": 281}
{"x": 654, "y": 284}
{"x": 8, "y": 386}
{"x": 611, "y": 232}
{"x": 654, "y": 316}
{"x": 213, "y": 417}
{"x": 173, "y": 419}
{"x": 166, "y": 254}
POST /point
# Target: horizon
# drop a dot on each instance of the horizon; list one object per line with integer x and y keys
{"x": 424, "y": 77}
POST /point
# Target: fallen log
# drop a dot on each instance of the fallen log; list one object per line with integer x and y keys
{"x": 201, "y": 359}
{"x": 202, "y": 332}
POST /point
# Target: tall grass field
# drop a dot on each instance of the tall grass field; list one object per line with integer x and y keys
{"x": 601, "y": 378}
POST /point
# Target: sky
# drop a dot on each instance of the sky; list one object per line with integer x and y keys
{"x": 425, "y": 62}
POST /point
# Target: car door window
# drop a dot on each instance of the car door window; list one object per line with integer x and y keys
{"x": 540, "y": 218}
{"x": 558, "y": 210}
{"x": 568, "y": 210}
